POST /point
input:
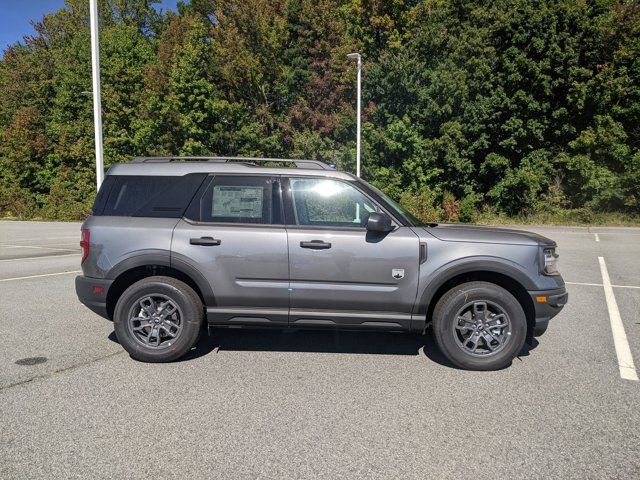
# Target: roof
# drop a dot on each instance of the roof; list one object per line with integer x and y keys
{"x": 167, "y": 166}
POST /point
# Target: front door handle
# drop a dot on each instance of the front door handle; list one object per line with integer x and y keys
{"x": 205, "y": 241}
{"x": 316, "y": 245}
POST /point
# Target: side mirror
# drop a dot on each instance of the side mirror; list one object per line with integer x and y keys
{"x": 379, "y": 222}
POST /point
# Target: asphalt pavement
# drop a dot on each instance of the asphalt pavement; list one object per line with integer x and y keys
{"x": 256, "y": 404}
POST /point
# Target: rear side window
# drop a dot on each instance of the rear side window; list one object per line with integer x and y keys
{"x": 148, "y": 196}
{"x": 238, "y": 199}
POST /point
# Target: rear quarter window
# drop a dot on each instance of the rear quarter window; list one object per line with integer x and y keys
{"x": 146, "y": 196}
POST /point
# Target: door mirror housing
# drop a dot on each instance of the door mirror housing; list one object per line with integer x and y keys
{"x": 379, "y": 222}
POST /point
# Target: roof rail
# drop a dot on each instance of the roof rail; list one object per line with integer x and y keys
{"x": 308, "y": 164}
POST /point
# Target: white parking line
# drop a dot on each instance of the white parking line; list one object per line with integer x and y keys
{"x": 4, "y": 245}
{"x": 597, "y": 237}
{"x": 601, "y": 285}
{"x": 38, "y": 276}
{"x": 30, "y": 239}
{"x": 625, "y": 360}
{"x": 38, "y": 258}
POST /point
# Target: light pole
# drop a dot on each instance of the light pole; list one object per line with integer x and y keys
{"x": 97, "y": 108}
{"x": 356, "y": 56}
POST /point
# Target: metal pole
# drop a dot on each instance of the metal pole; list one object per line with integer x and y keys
{"x": 356, "y": 56}
{"x": 358, "y": 121}
{"x": 97, "y": 107}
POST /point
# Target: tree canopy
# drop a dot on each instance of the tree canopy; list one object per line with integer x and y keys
{"x": 513, "y": 105}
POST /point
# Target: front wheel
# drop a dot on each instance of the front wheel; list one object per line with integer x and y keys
{"x": 158, "y": 319}
{"x": 479, "y": 326}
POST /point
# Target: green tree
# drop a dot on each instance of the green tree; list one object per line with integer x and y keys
{"x": 514, "y": 106}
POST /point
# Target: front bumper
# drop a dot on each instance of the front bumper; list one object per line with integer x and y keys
{"x": 92, "y": 292}
{"x": 548, "y": 303}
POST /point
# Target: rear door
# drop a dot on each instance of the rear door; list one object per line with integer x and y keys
{"x": 340, "y": 273}
{"x": 234, "y": 235}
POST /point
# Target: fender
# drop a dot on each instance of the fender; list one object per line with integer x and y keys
{"x": 140, "y": 259}
{"x": 164, "y": 258}
{"x": 471, "y": 265}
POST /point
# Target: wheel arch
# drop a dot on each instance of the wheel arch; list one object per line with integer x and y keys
{"x": 133, "y": 269}
{"x": 505, "y": 274}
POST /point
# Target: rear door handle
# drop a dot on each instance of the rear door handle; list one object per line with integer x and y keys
{"x": 316, "y": 245}
{"x": 205, "y": 241}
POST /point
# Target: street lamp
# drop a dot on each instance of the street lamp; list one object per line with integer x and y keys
{"x": 356, "y": 56}
{"x": 97, "y": 108}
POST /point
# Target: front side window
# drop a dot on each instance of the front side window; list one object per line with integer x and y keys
{"x": 396, "y": 207}
{"x": 330, "y": 203}
{"x": 237, "y": 199}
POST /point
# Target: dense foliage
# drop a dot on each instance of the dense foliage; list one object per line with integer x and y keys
{"x": 511, "y": 106}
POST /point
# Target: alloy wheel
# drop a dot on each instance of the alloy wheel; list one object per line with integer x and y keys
{"x": 155, "y": 321}
{"x": 482, "y": 328}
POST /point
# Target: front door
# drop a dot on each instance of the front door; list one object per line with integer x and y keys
{"x": 341, "y": 274}
{"x": 234, "y": 235}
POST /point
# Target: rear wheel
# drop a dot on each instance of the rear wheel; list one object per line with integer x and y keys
{"x": 158, "y": 319}
{"x": 479, "y": 326}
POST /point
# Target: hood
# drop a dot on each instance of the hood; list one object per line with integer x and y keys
{"x": 454, "y": 232}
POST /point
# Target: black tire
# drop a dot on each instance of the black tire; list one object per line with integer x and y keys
{"x": 187, "y": 321}
{"x": 449, "y": 339}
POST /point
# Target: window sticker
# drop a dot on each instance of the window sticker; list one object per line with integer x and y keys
{"x": 239, "y": 202}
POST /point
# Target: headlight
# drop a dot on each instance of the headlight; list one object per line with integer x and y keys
{"x": 550, "y": 261}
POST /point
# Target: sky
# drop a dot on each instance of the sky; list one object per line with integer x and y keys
{"x": 16, "y": 17}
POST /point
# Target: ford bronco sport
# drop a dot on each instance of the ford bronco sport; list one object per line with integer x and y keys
{"x": 296, "y": 244}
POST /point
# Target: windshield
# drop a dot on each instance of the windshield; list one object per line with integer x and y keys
{"x": 399, "y": 209}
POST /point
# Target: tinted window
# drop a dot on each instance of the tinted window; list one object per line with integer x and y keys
{"x": 150, "y": 196}
{"x": 235, "y": 199}
{"x": 103, "y": 195}
{"x": 325, "y": 202}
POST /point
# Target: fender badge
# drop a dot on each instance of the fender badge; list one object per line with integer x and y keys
{"x": 397, "y": 273}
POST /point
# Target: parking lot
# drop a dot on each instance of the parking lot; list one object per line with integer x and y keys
{"x": 256, "y": 404}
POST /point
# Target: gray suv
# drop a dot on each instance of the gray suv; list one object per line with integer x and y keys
{"x": 296, "y": 244}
